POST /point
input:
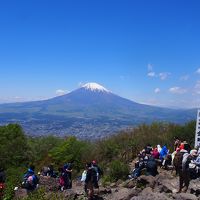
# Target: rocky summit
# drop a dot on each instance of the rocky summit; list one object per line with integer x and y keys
{"x": 162, "y": 187}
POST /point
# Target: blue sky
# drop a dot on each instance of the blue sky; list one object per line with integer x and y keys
{"x": 146, "y": 51}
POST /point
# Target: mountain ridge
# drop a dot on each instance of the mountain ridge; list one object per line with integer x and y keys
{"x": 90, "y": 111}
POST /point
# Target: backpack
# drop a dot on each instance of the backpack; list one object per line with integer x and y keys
{"x": 61, "y": 181}
{"x": 151, "y": 167}
{"x": 30, "y": 181}
{"x": 178, "y": 161}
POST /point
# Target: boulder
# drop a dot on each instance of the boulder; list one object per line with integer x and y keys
{"x": 194, "y": 187}
{"x": 129, "y": 183}
{"x": 146, "y": 181}
{"x": 184, "y": 196}
{"x": 103, "y": 190}
{"x": 50, "y": 184}
{"x": 148, "y": 194}
{"x": 123, "y": 194}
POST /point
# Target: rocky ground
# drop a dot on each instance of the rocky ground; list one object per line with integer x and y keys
{"x": 162, "y": 187}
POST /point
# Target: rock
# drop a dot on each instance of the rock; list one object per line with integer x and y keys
{"x": 166, "y": 183}
{"x": 50, "y": 184}
{"x": 123, "y": 194}
{"x": 194, "y": 187}
{"x": 145, "y": 181}
{"x": 119, "y": 182}
{"x": 103, "y": 190}
{"x": 20, "y": 193}
{"x": 184, "y": 196}
{"x": 112, "y": 185}
{"x": 69, "y": 194}
{"x": 129, "y": 184}
{"x": 148, "y": 194}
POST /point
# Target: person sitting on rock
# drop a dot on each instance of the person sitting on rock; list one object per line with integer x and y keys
{"x": 163, "y": 153}
{"x": 148, "y": 149}
{"x": 30, "y": 180}
{"x": 139, "y": 165}
{"x": 155, "y": 153}
{"x": 167, "y": 162}
{"x": 151, "y": 167}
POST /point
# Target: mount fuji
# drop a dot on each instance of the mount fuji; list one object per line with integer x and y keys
{"x": 89, "y": 112}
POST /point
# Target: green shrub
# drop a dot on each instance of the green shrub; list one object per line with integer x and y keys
{"x": 118, "y": 170}
{"x": 14, "y": 178}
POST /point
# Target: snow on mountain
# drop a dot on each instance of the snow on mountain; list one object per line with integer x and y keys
{"x": 95, "y": 87}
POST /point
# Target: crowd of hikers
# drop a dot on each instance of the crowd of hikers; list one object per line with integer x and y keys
{"x": 184, "y": 160}
{"x": 89, "y": 178}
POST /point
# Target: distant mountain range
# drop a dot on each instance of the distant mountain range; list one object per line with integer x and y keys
{"x": 89, "y": 112}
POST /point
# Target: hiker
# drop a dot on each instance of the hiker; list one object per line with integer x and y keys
{"x": 2, "y": 182}
{"x": 159, "y": 148}
{"x": 163, "y": 153}
{"x": 148, "y": 149}
{"x": 48, "y": 171}
{"x": 193, "y": 168}
{"x": 187, "y": 146}
{"x": 61, "y": 179}
{"x": 91, "y": 178}
{"x": 139, "y": 165}
{"x": 177, "y": 161}
{"x": 197, "y": 163}
{"x": 83, "y": 178}
{"x": 184, "y": 173}
{"x": 44, "y": 171}
{"x": 68, "y": 175}
{"x": 167, "y": 162}
{"x": 99, "y": 173}
{"x": 155, "y": 153}
{"x": 151, "y": 167}
{"x": 177, "y": 143}
{"x": 51, "y": 171}
{"x": 144, "y": 156}
{"x": 30, "y": 180}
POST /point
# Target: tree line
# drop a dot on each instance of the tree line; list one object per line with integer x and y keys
{"x": 18, "y": 151}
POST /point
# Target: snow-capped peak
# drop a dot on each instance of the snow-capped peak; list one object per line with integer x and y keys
{"x": 95, "y": 87}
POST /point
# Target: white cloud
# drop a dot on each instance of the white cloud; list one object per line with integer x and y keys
{"x": 164, "y": 75}
{"x": 150, "y": 67}
{"x": 60, "y": 92}
{"x": 157, "y": 90}
{"x": 198, "y": 71}
{"x": 151, "y": 74}
{"x": 184, "y": 78}
{"x": 161, "y": 75}
{"x": 177, "y": 90}
{"x": 197, "y": 87}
